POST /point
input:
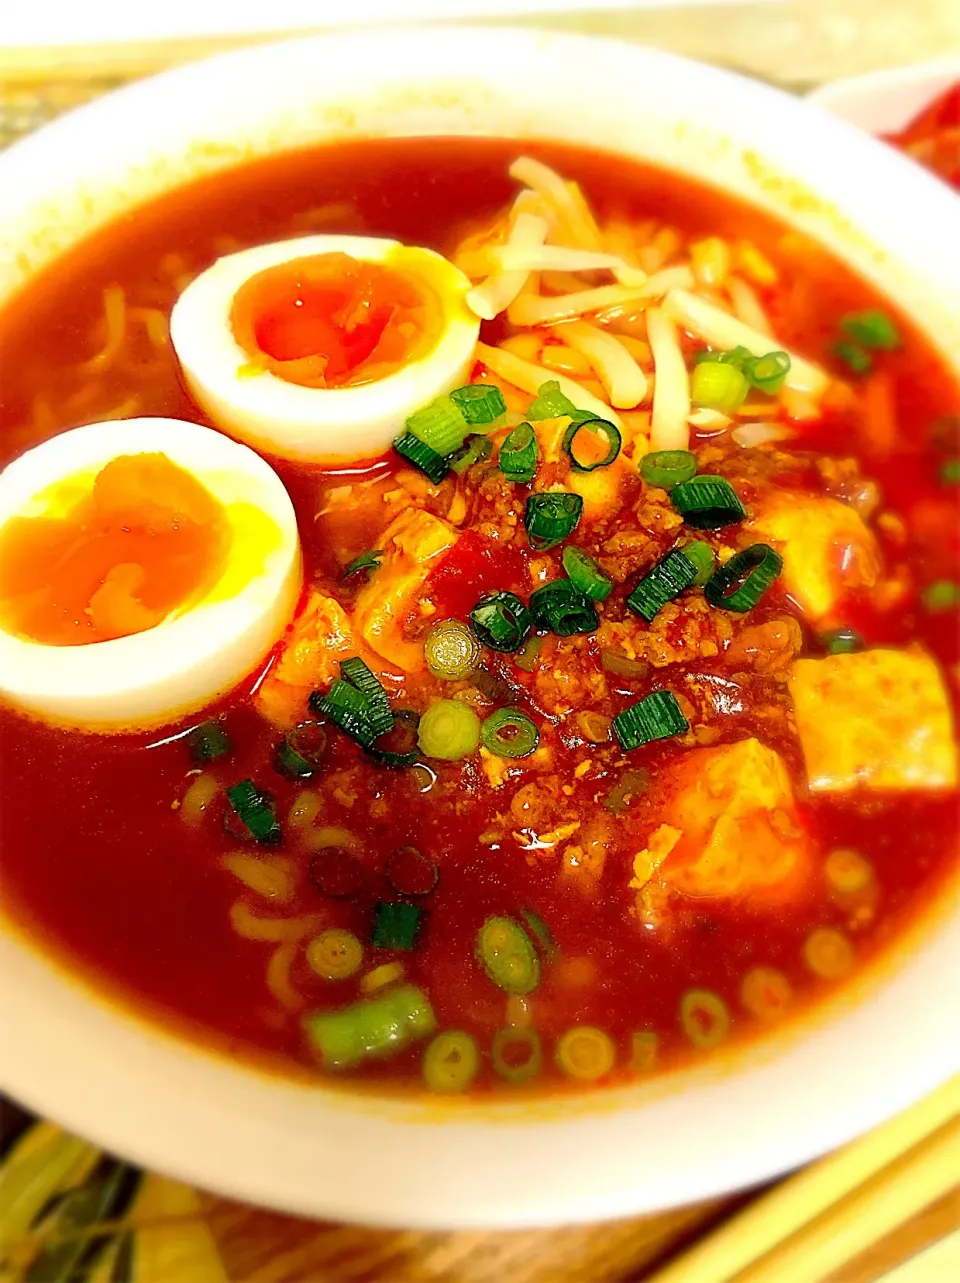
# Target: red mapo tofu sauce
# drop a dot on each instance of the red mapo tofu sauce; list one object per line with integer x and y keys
{"x": 683, "y": 897}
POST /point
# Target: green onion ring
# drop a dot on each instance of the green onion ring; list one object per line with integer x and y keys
{"x": 501, "y": 621}
{"x": 407, "y": 723}
{"x": 757, "y": 567}
{"x": 605, "y": 429}
{"x": 509, "y": 733}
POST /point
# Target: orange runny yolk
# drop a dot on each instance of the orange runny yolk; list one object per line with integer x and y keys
{"x": 146, "y": 539}
{"x": 332, "y": 321}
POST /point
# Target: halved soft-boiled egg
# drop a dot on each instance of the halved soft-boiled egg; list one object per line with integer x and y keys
{"x": 147, "y": 566}
{"x": 318, "y": 348}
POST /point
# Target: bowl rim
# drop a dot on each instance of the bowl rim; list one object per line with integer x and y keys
{"x": 172, "y": 1106}
{"x": 886, "y": 100}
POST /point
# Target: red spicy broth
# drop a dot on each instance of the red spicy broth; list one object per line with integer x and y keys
{"x": 100, "y": 863}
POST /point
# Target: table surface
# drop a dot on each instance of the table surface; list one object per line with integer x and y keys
{"x": 798, "y": 44}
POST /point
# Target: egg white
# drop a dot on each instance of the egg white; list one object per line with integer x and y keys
{"x": 314, "y": 425}
{"x": 192, "y": 657}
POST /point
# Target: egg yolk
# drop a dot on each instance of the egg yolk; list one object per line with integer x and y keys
{"x": 332, "y": 321}
{"x": 145, "y": 539}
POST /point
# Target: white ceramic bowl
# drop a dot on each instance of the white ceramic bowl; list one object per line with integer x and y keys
{"x": 136, "y": 1090}
{"x": 884, "y": 102}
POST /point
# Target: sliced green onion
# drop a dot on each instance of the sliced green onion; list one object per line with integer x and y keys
{"x": 501, "y": 621}
{"x": 509, "y": 733}
{"x": 701, "y": 556}
{"x": 254, "y": 811}
{"x": 665, "y": 581}
{"x": 586, "y": 1053}
{"x": 507, "y": 955}
{"x": 441, "y": 425}
{"x": 766, "y": 992}
{"x": 371, "y": 1028}
{"x": 335, "y": 954}
{"x": 561, "y": 608}
{"x": 737, "y": 356}
{"x": 519, "y": 454}
{"x": 551, "y": 517}
{"x": 451, "y": 651}
{"x": 396, "y": 924}
{"x": 208, "y": 741}
{"x": 336, "y": 873}
{"x": 872, "y": 329}
{"x": 474, "y": 450}
{"x": 479, "y": 403}
{"x": 705, "y": 1018}
{"x": 829, "y": 954}
{"x": 655, "y": 717}
{"x": 950, "y": 472}
{"x": 857, "y": 359}
{"x": 356, "y": 672}
{"x": 847, "y": 872}
{"x": 368, "y": 561}
{"x": 630, "y": 786}
{"x": 748, "y": 573}
{"x": 585, "y": 574}
{"x": 449, "y": 730}
{"x": 768, "y": 373}
{"x": 667, "y": 468}
{"x": 422, "y": 456}
{"x": 599, "y": 427}
{"x": 309, "y": 739}
{"x": 842, "y": 641}
{"x": 290, "y": 762}
{"x": 541, "y": 933}
{"x": 347, "y": 708}
{"x": 517, "y": 1054}
{"x": 718, "y": 386}
{"x": 528, "y": 656}
{"x": 593, "y": 726}
{"x": 398, "y": 748}
{"x": 451, "y": 1062}
{"x": 942, "y": 595}
{"x": 495, "y": 687}
{"x": 707, "y": 502}
{"x": 380, "y": 977}
{"x": 644, "y": 1051}
{"x": 551, "y": 403}
{"x": 623, "y": 666}
{"x": 410, "y": 872}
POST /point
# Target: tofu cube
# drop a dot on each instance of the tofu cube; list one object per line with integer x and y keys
{"x": 412, "y": 546}
{"x": 827, "y": 550}
{"x": 729, "y": 829}
{"x": 316, "y": 641}
{"x": 877, "y": 720}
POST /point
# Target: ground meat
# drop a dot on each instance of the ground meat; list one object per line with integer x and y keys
{"x": 732, "y": 705}
{"x": 494, "y": 504}
{"x": 650, "y": 532}
{"x": 683, "y": 631}
{"x": 534, "y": 805}
{"x": 568, "y": 676}
{"x": 751, "y": 471}
{"x": 767, "y": 647}
{"x": 842, "y": 480}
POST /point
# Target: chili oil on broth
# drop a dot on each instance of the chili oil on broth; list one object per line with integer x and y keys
{"x": 139, "y": 897}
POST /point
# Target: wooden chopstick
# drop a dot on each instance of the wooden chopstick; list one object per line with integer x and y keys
{"x": 759, "y": 1230}
{"x": 939, "y": 1261}
{"x": 930, "y": 1170}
